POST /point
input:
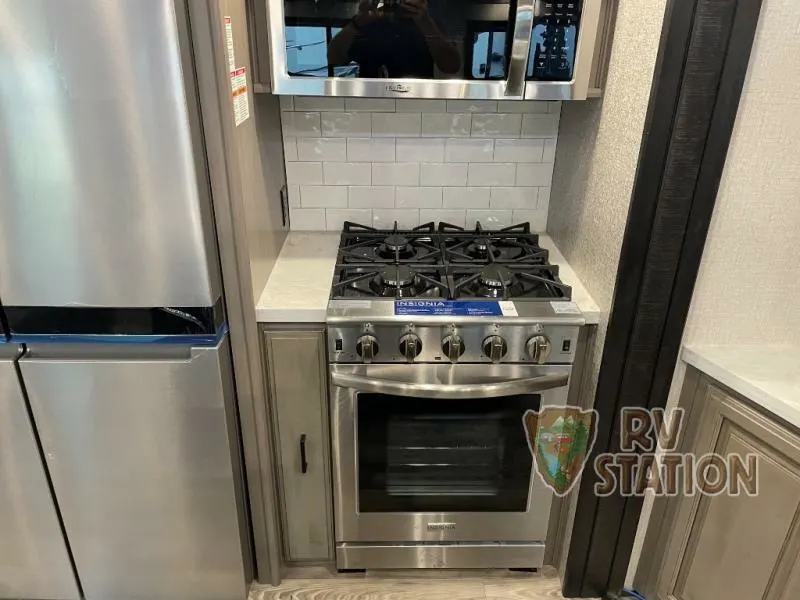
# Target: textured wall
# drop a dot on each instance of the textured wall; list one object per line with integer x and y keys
{"x": 376, "y": 161}
{"x": 598, "y": 150}
{"x": 749, "y": 277}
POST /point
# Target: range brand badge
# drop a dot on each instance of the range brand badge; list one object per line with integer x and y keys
{"x": 560, "y": 439}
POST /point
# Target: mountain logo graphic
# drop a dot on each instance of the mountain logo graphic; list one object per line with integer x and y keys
{"x": 560, "y": 439}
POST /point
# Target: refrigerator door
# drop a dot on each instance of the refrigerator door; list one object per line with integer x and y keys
{"x": 34, "y": 561}
{"x": 99, "y": 170}
{"x": 142, "y": 447}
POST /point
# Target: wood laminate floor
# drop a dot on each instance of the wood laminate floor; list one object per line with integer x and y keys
{"x": 435, "y": 586}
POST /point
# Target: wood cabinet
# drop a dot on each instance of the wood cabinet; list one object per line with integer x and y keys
{"x": 732, "y": 547}
{"x": 297, "y": 380}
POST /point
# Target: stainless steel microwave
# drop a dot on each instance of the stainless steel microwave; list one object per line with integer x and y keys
{"x": 476, "y": 49}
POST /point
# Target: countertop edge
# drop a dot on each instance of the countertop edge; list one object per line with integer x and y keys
{"x": 710, "y": 360}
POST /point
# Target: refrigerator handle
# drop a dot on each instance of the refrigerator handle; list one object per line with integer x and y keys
{"x": 133, "y": 352}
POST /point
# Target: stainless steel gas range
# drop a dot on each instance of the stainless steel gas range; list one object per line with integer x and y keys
{"x": 439, "y": 340}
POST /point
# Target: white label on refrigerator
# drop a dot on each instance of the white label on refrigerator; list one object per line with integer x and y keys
{"x": 229, "y": 44}
{"x": 508, "y": 309}
{"x": 241, "y": 99}
{"x": 565, "y": 308}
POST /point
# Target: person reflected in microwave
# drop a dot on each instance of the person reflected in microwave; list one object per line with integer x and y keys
{"x": 394, "y": 38}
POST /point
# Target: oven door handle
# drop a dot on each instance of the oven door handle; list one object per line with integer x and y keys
{"x": 520, "y": 49}
{"x": 489, "y": 389}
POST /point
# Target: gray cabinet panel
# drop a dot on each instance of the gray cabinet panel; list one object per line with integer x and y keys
{"x": 141, "y": 460}
{"x": 736, "y": 547}
{"x": 298, "y": 388}
{"x": 33, "y": 555}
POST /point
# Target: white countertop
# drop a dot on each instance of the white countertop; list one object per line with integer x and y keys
{"x": 768, "y": 376}
{"x": 298, "y": 288}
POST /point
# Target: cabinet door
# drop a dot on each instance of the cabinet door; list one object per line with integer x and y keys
{"x": 738, "y": 547}
{"x": 297, "y": 376}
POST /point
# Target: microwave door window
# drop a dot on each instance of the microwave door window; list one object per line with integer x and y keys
{"x": 397, "y": 39}
{"x": 428, "y": 455}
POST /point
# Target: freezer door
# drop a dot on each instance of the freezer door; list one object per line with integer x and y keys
{"x": 34, "y": 562}
{"x": 99, "y": 170}
{"x": 142, "y": 449}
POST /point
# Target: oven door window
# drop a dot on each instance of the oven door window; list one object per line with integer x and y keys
{"x": 429, "y": 455}
{"x": 425, "y": 39}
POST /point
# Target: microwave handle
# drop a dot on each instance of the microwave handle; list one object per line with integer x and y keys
{"x": 520, "y": 48}
{"x": 493, "y": 389}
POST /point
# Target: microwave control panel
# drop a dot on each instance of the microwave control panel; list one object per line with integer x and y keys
{"x": 555, "y": 35}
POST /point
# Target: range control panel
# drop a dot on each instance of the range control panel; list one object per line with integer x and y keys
{"x": 493, "y": 342}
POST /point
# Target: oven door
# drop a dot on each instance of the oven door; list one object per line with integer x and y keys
{"x": 431, "y": 453}
{"x": 475, "y": 49}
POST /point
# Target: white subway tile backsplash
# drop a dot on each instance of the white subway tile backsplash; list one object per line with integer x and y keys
{"x": 345, "y": 173}
{"x": 335, "y": 217}
{"x": 396, "y": 124}
{"x": 421, "y": 106}
{"x": 490, "y": 219}
{"x": 446, "y": 125}
{"x": 290, "y": 148}
{"x": 370, "y": 149}
{"x": 466, "y": 197}
{"x": 369, "y": 104}
{"x": 346, "y": 124}
{"x": 299, "y": 173}
{"x": 395, "y": 173}
{"x": 539, "y": 125}
{"x": 549, "y": 155}
{"x": 322, "y": 149}
{"x": 537, "y": 219}
{"x": 420, "y": 149}
{"x": 544, "y": 197}
{"x": 471, "y": 106}
{"x": 371, "y": 196}
{"x": 301, "y": 124}
{"x": 498, "y": 125}
{"x": 454, "y": 217}
{"x": 381, "y": 160}
{"x": 418, "y": 197}
{"x": 522, "y": 106}
{"x": 514, "y": 197}
{"x": 534, "y": 174}
{"x": 385, "y": 218}
{"x": 293, "y": 193}
{"x": 323, "y": 196}
{"x": 286, "y": 102}
{"x": 469, "y": 150}
{"x": 519, "y": 150}
{"x": 318, "y": 103}
{"x": 443, "y": 174}
{"x": 491, "y": 174}
{"x": 307, "y": 219}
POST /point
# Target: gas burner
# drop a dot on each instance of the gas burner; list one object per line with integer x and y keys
{"x": 510, "y": 282}
{"x": 361, "y": 244}
{"x": 390, "y": 281}
{"x": 496, "y": 277}
{"x": 515, "y": 244}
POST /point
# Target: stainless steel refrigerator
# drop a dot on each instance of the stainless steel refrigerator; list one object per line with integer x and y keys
{"x": 118, "y": 421}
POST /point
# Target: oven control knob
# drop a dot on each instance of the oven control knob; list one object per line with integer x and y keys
{"x": 495, "y": 347}
{"x": 410, "y": 346}
{"x": 453, "y": 347}
{"x": 367, "y": 347}
{"x": 538, "y": 348}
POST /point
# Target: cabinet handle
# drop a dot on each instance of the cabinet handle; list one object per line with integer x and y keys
{"x": 303, "y": 460}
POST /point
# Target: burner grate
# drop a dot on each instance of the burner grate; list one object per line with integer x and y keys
{"x": 447, "y": 261}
